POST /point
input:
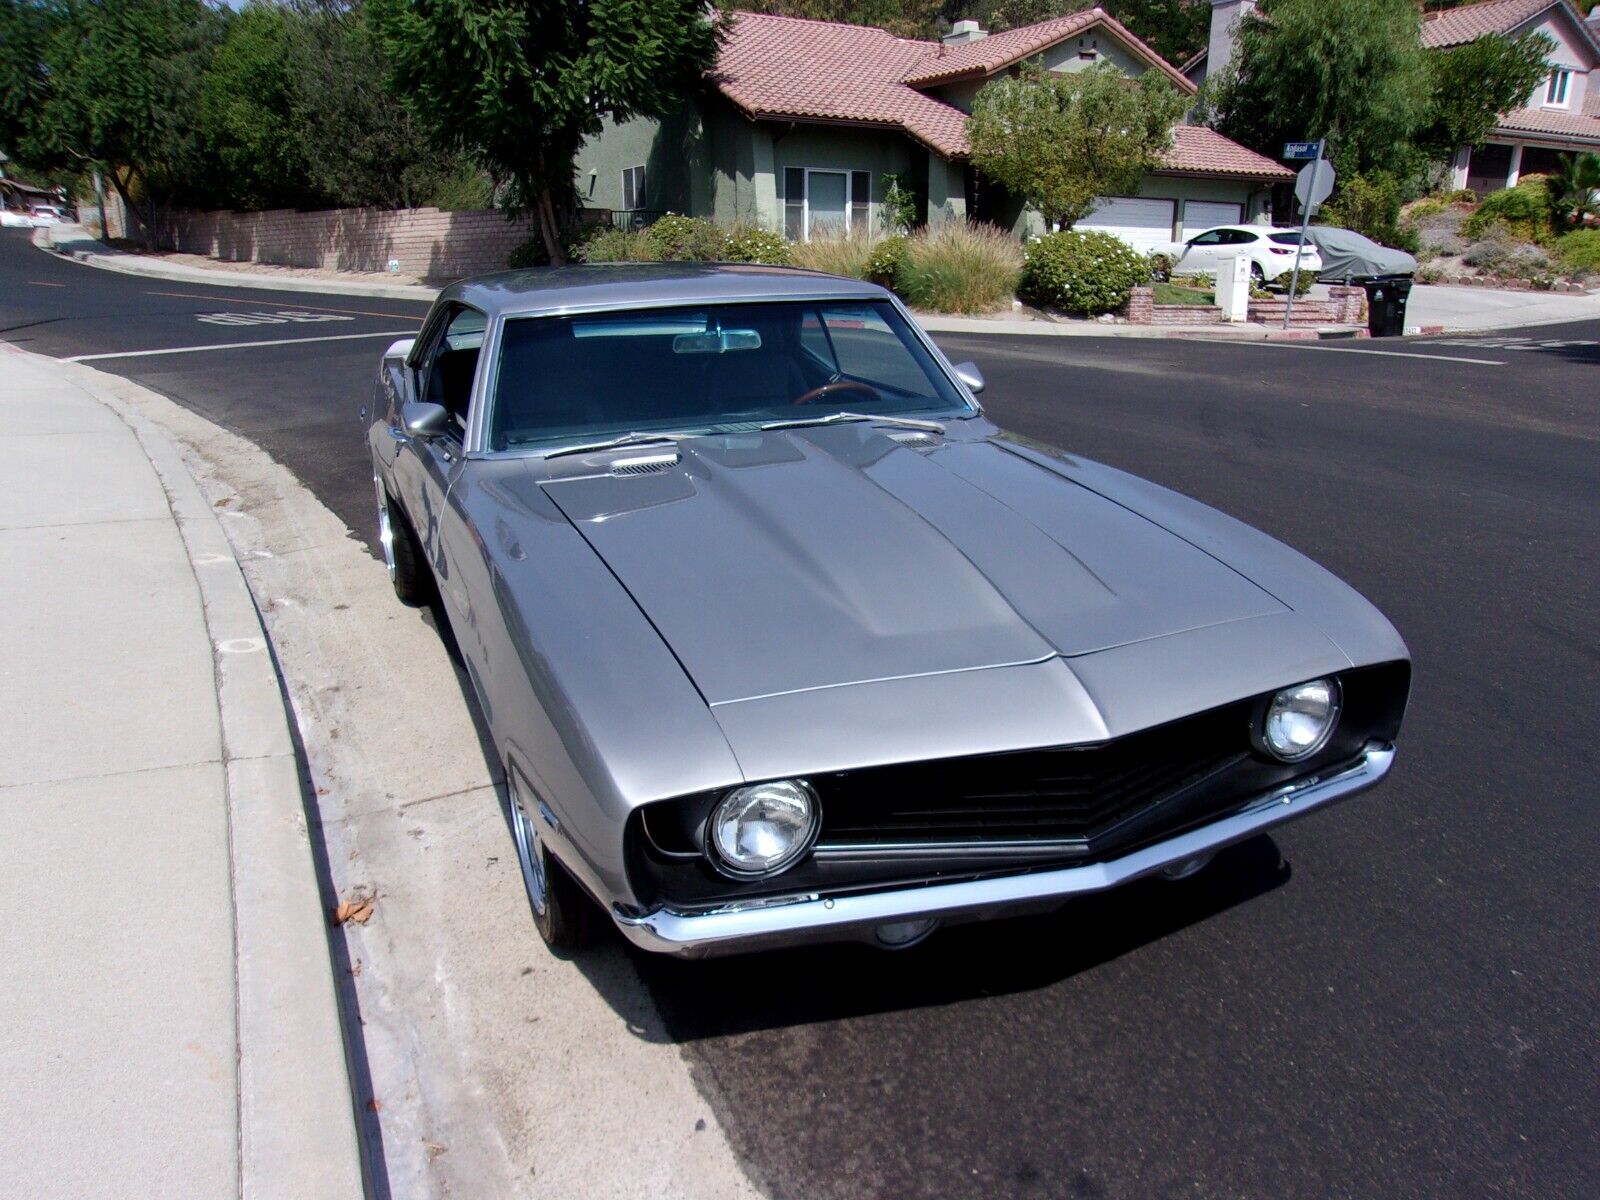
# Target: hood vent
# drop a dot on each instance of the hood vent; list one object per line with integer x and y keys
{"x": 917, "y": 441}
{"x": 644, "y": 464}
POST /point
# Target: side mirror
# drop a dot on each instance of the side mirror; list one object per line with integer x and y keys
{"x": 969, "y": 374}
{"x": 423, "y": 420}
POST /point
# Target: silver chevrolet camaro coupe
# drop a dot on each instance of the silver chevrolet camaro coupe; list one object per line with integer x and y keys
{"x": 781, "y": 640}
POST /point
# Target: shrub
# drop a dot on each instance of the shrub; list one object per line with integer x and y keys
{"x": 899, "y": 208}
{"x": 959, "y": 267}
{"x": 530, "y": 253}
{"x": 678, "y": 238}
{"x": 1428, "y": 206}
{"x": 1489, "y": 252}
{"x": 883, "y": 264}
{"x": 620, "y": 245}
{"x": 1429, "y": 275}
{"x": 1082, "y": 271}
{"x": 844, "y": 255}
{"x": 1368, "y": 204}
{"x": 1523, "y": 211}
{"x": 1579, "y": 252}
{"x": 756, "y": 246}
{"x": 1462, "y": 196}
{"x": 1160, "y": 266}
{"x": 1525, "y": 262}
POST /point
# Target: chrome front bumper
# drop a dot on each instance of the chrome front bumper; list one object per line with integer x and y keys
{"x": 792, "y": 920}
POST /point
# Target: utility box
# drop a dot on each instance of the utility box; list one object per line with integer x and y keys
{"x": 1233, "y": 288}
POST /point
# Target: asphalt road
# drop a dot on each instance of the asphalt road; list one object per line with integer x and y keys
{"x": 1394, "y": 998}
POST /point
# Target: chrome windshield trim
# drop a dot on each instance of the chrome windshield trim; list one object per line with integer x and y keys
{"x": 822, "y": 918}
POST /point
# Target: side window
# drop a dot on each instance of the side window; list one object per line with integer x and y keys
{"x": 451, "y": 363}
{"x": 1213, "y": 238}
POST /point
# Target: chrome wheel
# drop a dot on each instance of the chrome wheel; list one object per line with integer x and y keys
{"x": 531, "y": 856}
{"x": 385, "y": 527}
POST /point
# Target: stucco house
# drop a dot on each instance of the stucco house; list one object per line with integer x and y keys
{"x": 1560, "y": 117}
{"x": 802, "y": 120}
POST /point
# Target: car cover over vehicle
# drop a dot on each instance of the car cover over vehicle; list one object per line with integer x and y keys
{"x": 1347, "y": 256}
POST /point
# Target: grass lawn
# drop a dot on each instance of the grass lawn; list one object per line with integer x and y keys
{"x": 1172, "y": 293}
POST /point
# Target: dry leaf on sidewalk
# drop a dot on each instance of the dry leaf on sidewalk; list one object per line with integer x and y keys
{"x": 358, "y": 909}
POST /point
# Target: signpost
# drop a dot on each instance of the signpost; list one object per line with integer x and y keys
{"x": 1311, "y": 187}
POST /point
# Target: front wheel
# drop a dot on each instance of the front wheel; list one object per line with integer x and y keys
{"x": 402, "y": 556}
{"x": 1258, "y": 277}
{"x": 561, "y": 912}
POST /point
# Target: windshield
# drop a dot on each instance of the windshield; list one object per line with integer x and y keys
{"x": 716, "y": 368}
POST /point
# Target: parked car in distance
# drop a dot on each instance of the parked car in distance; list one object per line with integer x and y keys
{"x": 1271, "y": 252}
{"x": 35, "y": 216}
{"x": 778, "y": 638}
{"x": 1350, "y": 257}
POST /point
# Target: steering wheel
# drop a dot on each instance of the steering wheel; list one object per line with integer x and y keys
{"x": 836, "y": 385}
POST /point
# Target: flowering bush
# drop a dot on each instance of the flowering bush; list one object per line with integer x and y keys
{"x": 756, "y": 246}
{"x": 677, "y": 238}
{"x": 885, "y": 259}
{"x": 1081, "y": 271}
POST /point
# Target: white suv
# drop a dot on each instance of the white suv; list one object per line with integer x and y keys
{"x": 1270, "y": 251}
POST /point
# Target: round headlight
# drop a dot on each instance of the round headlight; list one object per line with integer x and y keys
{"x": 1299, "y": 720}
{"x": 761, "y": 829}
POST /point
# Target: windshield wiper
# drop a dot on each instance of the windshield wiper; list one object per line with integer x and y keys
{"x": 836, "y": 418}
{"x": 627, "y": 439}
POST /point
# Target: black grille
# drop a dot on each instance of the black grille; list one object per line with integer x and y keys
{"x": 1062, "y": 794}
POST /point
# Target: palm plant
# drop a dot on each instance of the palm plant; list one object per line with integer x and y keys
{"x": 1575, "y": 188}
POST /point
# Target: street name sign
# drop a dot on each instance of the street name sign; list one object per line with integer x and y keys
{"x": 1293, "y": 150}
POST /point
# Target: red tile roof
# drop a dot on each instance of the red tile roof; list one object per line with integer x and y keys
{"x": 789, "y": 67}
{"x": 1198, "y": 150}
{"x": 998, "y": 50}
{"x": 1457, "y": 26}
{"x": 1555, "y": 123}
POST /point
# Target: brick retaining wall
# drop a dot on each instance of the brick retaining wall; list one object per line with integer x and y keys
{"x": 427, "y": 242}
{"x": 1345, "y": 306}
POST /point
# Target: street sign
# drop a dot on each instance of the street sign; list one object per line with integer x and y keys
{"x": 1314, "y": 184}
{"x": 1293, "y": 150}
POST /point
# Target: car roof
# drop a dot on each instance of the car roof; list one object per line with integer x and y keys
{"x": 643, "y": 285}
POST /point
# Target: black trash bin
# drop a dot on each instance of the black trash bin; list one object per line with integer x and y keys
{"x": 1386, "y": 304}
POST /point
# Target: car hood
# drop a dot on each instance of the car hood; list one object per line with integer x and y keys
{"x": 780, "y": 562}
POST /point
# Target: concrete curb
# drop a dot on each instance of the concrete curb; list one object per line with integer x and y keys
{"x": 84, "y": 249}
{"x": 297, "y": 1125}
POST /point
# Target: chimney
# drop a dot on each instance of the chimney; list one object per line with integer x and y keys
{"x": 1225, "y": 18}
{"x": 964, "y": 31}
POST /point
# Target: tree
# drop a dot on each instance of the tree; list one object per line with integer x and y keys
{"x": 1575, "y": 189}
{"x": 519, "y": 84}
{"x": 1059, "y": 141}
{"x": 247, "y": 111}
{"x": 113, "y": 86}
{"x": 1470, "y": 86}
{"x": 1348, "y": 70}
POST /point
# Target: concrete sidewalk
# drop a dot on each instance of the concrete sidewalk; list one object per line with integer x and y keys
{"x": 168, "y": 1020}
{"x": 1433, "y": 307}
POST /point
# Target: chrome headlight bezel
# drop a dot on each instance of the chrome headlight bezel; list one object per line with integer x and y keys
{"x": 1283, "y": 702}
{"x": 718, "y": 849}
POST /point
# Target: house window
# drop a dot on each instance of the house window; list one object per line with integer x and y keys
{"x": 1555, "y": 92}
{"x": 632, "y": 188}
{"x": 821, "y": 202}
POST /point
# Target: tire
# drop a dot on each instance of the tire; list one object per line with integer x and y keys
{"x": 402, "y": 555}
{"x": 1258, "y": 277}
{"x": 562, "y": 911}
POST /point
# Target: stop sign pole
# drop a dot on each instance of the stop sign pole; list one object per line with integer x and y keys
{"x": 1317, "y": 182}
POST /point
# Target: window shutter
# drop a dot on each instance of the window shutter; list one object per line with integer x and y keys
{"x": 794, "y": 203}
{"x": 860, "y": 201}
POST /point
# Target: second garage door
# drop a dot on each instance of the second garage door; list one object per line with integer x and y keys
{"x": 1201, "y": 215}
{"x": 1144, "y": 224}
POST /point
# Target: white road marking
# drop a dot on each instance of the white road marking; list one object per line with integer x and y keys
{"x": 360, "y": 312}
{"x": 283, "y": 316}
{"x": 1482, "y": 362}
{"x": 337, "y": 337}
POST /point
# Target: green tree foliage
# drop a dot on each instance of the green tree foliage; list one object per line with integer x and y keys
{"x": 113, "y": 85}
{"x": 1575, "y": 189}
{"x": 247, "y": 110}
{"x": 1060, "y": 141}
{"x": 519, "y": 84}
{"x": 1471, "y": 85}
{"x": 1350, "y": 70}
{"x": 360, "y": 146}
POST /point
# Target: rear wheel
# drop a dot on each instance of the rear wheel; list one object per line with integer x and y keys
{"x": 1258, "y": 277}
{"x": 402, "y": 556}
{"x": 562, "y": 913}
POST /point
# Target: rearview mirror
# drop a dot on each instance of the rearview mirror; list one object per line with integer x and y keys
{"x": 423, "y": 420}
{"x": 969, "y": 374}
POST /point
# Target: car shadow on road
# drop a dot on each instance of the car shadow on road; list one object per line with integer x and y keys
{"x": 723, "y": 996}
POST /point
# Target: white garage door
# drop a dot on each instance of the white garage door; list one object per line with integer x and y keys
{"x": 1201, "y": 215}
{"x": 1144, "y": 224}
